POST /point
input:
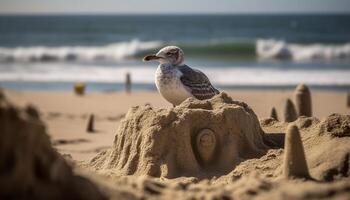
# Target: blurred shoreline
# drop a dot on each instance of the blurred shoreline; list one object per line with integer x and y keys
{"x": 95, "y": 87}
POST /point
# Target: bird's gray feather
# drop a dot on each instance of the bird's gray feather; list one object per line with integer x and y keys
{"x": 197, "y": 82}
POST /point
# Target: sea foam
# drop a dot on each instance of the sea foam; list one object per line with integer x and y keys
{"x": 235, "y": 76}
{"x": 282, "y": 50}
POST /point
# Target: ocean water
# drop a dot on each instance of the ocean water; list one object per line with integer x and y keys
{"x": 235, "y": 51}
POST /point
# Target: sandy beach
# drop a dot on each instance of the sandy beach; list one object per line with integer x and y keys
{"x": 143, "y": 148}
{"x": 66, "y": 114}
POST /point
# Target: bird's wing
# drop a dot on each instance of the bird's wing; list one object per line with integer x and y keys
{"x": 197, "y": 82}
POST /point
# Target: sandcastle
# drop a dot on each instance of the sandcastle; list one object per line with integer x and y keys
{"x": 197, "y": 138}
{"x": 30, "y": 168}
{"x": 190, "y": 143}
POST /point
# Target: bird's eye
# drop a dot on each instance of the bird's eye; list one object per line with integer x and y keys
{"x": 168, "y": 53}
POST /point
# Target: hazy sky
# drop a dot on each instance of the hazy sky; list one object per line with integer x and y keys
{"x": 174, "y": 6}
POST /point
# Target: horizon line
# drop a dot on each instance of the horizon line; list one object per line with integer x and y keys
{"x": 166, "y": 13}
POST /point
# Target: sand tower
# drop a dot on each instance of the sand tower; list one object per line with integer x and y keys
{"x": 290, "y": 114}
{"x": 294, "y": 165}
{"x": 273, "y": 113}
{"x": 302, "y": 98}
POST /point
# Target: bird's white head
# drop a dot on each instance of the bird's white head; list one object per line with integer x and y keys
{"x": 168, "y": 55}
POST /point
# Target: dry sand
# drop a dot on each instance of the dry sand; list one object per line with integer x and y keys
{"x": 66, "y": 114}
{"x": 196, "y": 166}
{"x": 116, "y": 104}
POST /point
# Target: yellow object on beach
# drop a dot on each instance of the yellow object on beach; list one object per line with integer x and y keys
{"x": 79, "y": 88}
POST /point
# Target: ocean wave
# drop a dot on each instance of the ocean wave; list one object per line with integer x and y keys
{"x": 252, "y": 76}
{"x": 281, "y": 50}
{"x": 222, "y": 49}
{"x": 124, "y": 50}
{"x": 114, "y": 52}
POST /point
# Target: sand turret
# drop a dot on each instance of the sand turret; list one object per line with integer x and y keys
{"x": 294, "y": 164}
{"x": 91, "y": 124}
{"x": 273, "y": 114}
{"x": 290, "y": 114}
{"x": 302, "y": 98}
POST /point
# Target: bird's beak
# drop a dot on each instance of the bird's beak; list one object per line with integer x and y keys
{"x": 151, "y": 57}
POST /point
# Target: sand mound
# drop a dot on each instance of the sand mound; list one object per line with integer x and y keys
{"x": 326, "y": 146}
{"x": 330, "y": 151}
{"x": 336, "y": 125}
{"x": 261, "y": 178}
{"x": 30, "y": 168}
{"x": 196, "y": 138}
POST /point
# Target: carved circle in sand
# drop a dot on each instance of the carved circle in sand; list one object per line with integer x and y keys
{"x": 205, "y": 145}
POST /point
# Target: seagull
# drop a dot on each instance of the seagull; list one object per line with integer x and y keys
{"x": 176, "y": 81}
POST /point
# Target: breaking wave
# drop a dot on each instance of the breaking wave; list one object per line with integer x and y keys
{"x": 114, "y": 52}
{"x": 227, "y": 49}
{"x": 281, "y": 50}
